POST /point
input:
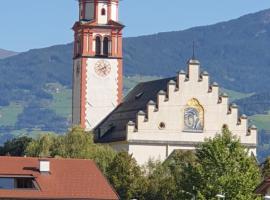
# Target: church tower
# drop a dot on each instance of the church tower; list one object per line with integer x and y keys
{"x": 97, "y": 62}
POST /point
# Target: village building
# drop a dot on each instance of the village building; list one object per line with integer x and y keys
{"x": 264, "y": 189}
{"x": 156, "y": 117}
{"x": 61, "y": 179}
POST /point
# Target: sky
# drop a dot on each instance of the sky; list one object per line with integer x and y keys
{"x": 29, "y": 24}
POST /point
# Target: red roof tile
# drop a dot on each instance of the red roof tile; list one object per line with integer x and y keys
{"x": 68, "y": 179}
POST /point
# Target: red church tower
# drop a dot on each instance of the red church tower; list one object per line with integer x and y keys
{"x": 97, "y": 65}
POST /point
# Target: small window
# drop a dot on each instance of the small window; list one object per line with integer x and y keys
{"x": 106, "y": 46}
{"x": 162, "y": 125}
{"x": 103, "y": 11}
{"x": 98, "y": 46}
{"x": 225, "y": 126}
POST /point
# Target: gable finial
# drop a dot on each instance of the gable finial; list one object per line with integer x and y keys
{"x": 193, "y": 54}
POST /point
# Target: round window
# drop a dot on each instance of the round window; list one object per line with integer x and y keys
{"x": 162, "y": 125}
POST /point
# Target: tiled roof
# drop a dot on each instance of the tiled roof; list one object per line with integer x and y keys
{"x": 68, "y": 179}
{"x": 113, "y": 127}
{"x": 263, "y": 187}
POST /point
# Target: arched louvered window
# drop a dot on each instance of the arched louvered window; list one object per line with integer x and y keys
{"x": 103, "y": 11}
{"x": 98, "y": 46}
{"x": 106, "y": 46}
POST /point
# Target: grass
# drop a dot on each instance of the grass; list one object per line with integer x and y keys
{"x": 62, "y": 101}
{"x": 234, "y": 95}
{"x": 9, "y": 114}
{"x": 261, "y": 121}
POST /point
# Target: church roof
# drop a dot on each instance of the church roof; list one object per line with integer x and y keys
{"x": 113, "y": 127}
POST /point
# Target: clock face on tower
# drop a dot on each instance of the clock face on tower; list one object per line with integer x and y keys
{"x": 102, "y": 68}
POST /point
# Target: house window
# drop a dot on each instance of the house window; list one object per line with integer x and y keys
{"x": 103, "y": 11}
{"x": 24, "y": 183}
{"x": 106, "y": 46}
{"x": 7, "y": 183}
{"x": 17, "y": 183}
{"x": 98, "y": 46}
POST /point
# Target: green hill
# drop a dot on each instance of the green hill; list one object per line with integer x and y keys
{"x": 35, "y": 86}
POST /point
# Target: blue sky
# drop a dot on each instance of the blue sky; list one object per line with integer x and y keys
{"x": 28, "y": 24}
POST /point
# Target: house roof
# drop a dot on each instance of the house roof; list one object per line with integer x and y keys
{"x": 263, "y": 187}
{"x": 113, "y": 127}
{"x": 68, "y": 179}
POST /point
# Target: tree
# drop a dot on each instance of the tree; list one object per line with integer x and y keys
{"x": 126, "y": 177}
{"x": 15, "y": 147}
{"x": 42, "y": 146}
{"x": 266, "y": 168}
{"x": 181, "y": 164}
{"x": 224, "y": 166}
{"x": 161, "y": 184}
{"x": 75, "y": 144}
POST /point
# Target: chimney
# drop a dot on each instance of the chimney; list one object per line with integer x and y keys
{"x": 44, "y": 166}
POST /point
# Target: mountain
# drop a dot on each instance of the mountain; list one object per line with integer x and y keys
{"x": 6, "y": 53}
{"x": 236, "y": 53}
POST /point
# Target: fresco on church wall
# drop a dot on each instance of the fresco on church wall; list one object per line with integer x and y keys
{"x": 193, "y": 116}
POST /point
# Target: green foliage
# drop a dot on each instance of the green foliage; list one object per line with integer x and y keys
{"x": 161, "y": 183}
{"x": 266, "y": 168}
{"x": 43, "y": 146}
{"x": 258, "y": 103}
{"x": 126, "y": 177}
{"x": 225, "y": 167}
{"x": 75, "y": 144}
{"x": 15, "y": 147}
{"x": 220, "y": 165}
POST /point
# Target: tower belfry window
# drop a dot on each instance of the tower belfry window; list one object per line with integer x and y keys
{"x": 103, "y": 11}
{"x": 106, "y": 46}
{"x": 98, "y": 46}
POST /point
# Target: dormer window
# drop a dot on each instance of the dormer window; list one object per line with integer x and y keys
{"x": 103, "y": 11}
{"x": 17, "y": 183}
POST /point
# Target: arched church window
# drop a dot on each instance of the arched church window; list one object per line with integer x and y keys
{"x": 193, "y": 116}
{"x": 98, "y": 46}
{"x": 103, "y": 11}
{"x": 106, "y": 46}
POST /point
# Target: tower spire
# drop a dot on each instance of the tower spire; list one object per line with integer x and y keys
{"x": 193, "y": 51}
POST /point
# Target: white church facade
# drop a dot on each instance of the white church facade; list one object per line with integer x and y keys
{"x": 156, "y": 117}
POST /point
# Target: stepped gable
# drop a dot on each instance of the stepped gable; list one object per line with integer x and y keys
{"x": 148, "y": 109}
{"x": 113, "y": 127}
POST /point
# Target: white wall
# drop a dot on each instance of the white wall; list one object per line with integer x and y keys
{"x": 102, "y": 19}
{"x": 76, "y": 92}
{"x": 171, "y": 112}
{"x": 101, "y": 92}
{"x": 114, "y": 11}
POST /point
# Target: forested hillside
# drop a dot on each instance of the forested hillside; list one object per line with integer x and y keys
{"x": 5, "y": 53}
{"x": 35, "y": 86}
